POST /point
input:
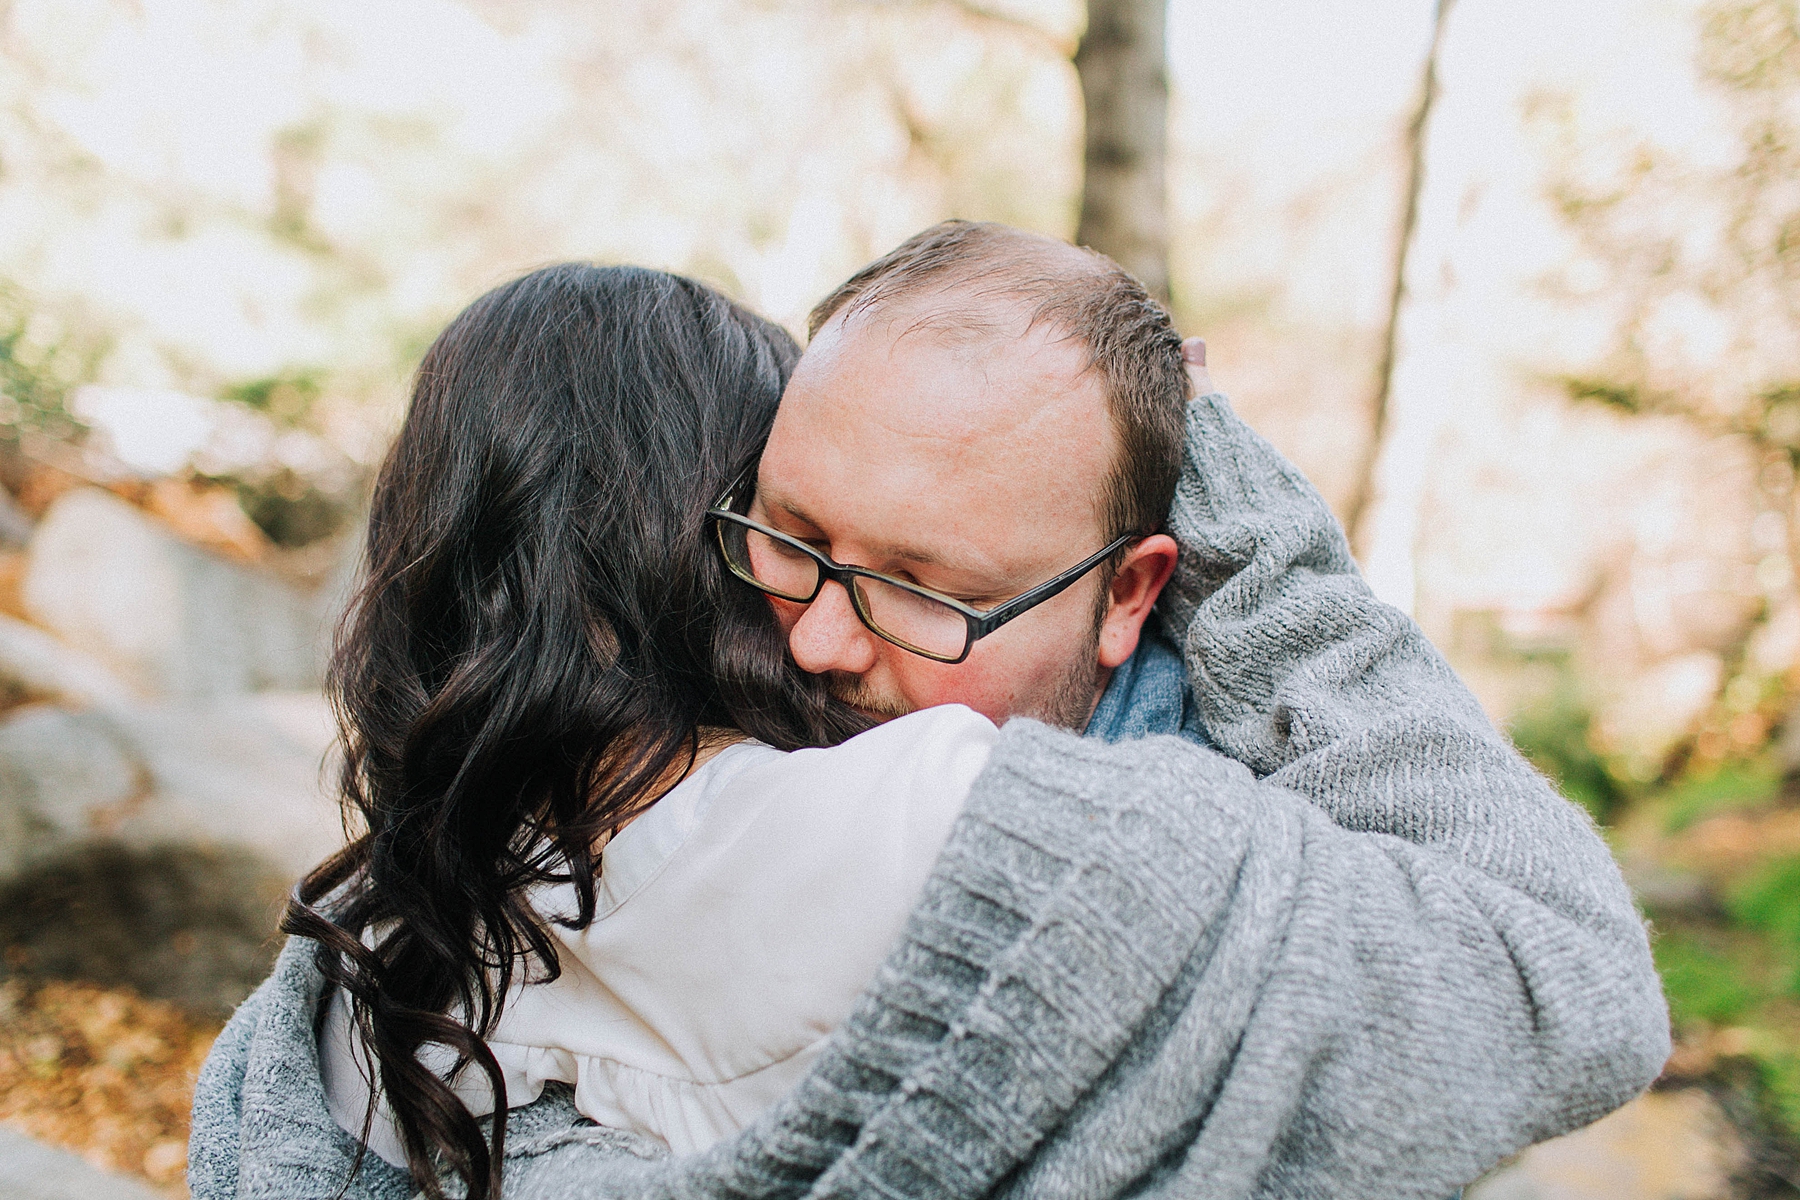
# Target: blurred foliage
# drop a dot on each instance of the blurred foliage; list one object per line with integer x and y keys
{"x": 1698, "y": 258}
{"x": 35, "y": 378}
{"x": 318, "y": 198}
{"x": 1727, "y": 938}
{"x": 1731, "y": 786}
{"x": 291, "y": 509}
{"x": 1779, "y": 1073}
{"x": 294, "y": 508}
{"x": 1610, "y": 393}
{"x": 1556, "y": 734}
{"x": 1702, "y": 984}
{"x": 1769, "y": 901}
{"x": 287, "y": 397}
{"x": 1698, "y": 261}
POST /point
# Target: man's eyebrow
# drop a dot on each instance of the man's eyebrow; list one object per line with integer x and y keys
{"x": 883, "y": 551}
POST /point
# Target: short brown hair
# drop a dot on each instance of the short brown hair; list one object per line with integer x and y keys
{"x": 1130, "y": 337}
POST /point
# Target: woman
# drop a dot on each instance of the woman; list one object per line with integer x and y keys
{"x": 576, "y": 860}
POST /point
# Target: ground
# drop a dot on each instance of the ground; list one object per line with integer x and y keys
{"x": 103, "y": 1072}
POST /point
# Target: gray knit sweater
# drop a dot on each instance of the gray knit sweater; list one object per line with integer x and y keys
{"x": 1365, "y": 952}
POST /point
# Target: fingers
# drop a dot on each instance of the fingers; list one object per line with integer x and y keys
{"x": 1193, "y": 354}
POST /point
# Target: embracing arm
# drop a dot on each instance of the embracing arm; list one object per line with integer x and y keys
{"x": 1368, "y": 959}
{"x": 1298, "y": 670}
{"x": 1478, "y": 913}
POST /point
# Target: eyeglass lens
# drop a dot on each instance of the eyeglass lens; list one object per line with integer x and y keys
{"x": 904, "y": 617}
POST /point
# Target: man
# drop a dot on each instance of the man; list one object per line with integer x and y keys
{"x": 976, "y": 412}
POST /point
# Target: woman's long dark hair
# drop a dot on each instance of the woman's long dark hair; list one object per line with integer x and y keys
{"x": 543, "y": 634}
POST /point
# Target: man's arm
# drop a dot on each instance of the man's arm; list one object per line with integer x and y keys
{"x": 1300, "y": 673}
{"x": 1369, "y": 958}
{"x": 1139, "y": 969}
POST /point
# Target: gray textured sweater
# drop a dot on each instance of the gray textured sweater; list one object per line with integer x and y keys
{"x": 1365, "y": 952}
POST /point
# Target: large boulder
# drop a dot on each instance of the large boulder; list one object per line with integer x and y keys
{"x": 65, "y": 778}
{"x": 35, "y": 666}
{"x": 30, "y": 1170}
{"x": 171, "y": 619}
{"x": 253, "y": 772}
{"x": 166, "y": 766}
{"x": 249, "y": 774}
{"x": 151, "y": 844}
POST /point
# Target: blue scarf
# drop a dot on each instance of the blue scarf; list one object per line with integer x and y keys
{"x": 1148, "y": 694}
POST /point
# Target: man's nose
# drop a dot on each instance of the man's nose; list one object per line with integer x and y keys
{"x": 830, "y": 637}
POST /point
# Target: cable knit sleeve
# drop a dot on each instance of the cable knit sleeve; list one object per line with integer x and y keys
{"x": 1303, "y": 675}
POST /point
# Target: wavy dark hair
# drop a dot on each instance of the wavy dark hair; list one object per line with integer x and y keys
{"x": 542, "y": 637}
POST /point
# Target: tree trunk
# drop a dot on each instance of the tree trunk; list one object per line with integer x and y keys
{"x": 1125, "y": 88}
{"x": 1356, "y": 515}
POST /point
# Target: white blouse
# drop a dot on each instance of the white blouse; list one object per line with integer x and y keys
{"x": 737, "y": 920}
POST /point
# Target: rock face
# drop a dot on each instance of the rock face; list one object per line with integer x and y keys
{"x": 152, "y": 844}
{"x": 65, "y": 777}
{"x": 38, "y": 666}
{"x": 169, "y": 618}
{"x": 32, "y": 1171}
{"x": 165, "y": 757}
{"x": 248, "y": 774}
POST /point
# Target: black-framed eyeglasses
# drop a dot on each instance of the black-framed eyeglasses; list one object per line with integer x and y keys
{"x": 913, "y": 618}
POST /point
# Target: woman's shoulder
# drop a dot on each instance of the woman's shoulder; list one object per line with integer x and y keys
{"x": 751, "y": 939}
{"x": 887, "y": 796}
{"x": 931, "y": 748}
{"x": 913, "y": 770}
{"x": 898, "y": 785}
{"x": 894, "y": 790}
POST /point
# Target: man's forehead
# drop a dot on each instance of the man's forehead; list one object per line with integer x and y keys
{"x": 954, "y": 362}
{"x": 927, "y": 449}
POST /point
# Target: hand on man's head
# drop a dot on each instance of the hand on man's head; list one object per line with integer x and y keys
{"x": 1193, "y": 357}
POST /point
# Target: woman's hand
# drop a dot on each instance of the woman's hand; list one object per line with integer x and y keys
{"x": 1193, "y": 353}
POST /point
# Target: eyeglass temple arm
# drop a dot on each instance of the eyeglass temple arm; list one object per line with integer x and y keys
{"x": 736, "y": 485}
{"x": 996, "y": 617}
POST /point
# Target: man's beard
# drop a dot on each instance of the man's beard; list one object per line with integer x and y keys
{"x": 855, "y": 691}
{"x": 1068, "y": 704}
{"x": 1071, "y": 702}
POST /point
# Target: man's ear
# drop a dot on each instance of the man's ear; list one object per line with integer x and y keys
{"x": 1135, "y": 586}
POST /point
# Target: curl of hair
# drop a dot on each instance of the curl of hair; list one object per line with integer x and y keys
{"x": 542, "y": 635}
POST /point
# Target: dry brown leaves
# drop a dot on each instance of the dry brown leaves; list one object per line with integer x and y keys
{"x": 102, "y": 1072}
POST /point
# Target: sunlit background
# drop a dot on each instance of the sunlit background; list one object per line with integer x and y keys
{"x": 227, "y": 230}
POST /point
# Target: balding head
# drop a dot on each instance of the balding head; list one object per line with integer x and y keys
{"x": 971, "y": 282}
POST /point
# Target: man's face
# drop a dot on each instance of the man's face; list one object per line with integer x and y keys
{"x": 974, "y": 469}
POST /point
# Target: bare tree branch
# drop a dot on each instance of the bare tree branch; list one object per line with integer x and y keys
{"x": 1356, "y": 514}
